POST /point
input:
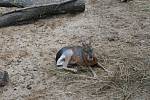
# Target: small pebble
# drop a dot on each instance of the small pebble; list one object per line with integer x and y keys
{"x": 29, "y": 87}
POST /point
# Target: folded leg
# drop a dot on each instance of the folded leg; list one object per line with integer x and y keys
{"x": 93, "y": 72}
{"x": 67, "y": 59}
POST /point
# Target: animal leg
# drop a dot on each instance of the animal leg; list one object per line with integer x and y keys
{"x": 67, "y": 59}
{"x": 102, "y": 67}
{"x": 109, "y": 72}
{"x": 93, "y": 72}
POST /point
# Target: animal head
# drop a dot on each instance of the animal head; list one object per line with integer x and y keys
{"x": 88, "y": 51}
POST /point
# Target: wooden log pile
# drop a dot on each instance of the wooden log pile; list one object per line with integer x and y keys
{"x": 34, "y": 12}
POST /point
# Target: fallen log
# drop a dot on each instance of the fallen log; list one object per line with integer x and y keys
{"x": 15, "y": 3}
{"x": 39, "y": 11}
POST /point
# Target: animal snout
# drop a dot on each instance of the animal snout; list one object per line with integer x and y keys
{"x": 91, "y": 57}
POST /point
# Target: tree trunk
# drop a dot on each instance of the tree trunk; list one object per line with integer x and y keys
{"x": 15, "y": 3}
{"x": 39, "y": 11}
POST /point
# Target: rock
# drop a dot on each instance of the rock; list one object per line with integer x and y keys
{"x": 29, "y": 87}
{"x": 4, "y": 78}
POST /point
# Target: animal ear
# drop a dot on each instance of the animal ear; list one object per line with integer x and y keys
{"x": 86, "y": 42}
{"x": 83, "y": 43}
{"x": 89, "y": 43}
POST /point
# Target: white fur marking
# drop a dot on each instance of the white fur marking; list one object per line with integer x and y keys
{"x": 61, "y": 60}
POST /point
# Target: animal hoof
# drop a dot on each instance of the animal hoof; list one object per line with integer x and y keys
{"x": 4, "y": 78}
{"x": 110, "y": 73}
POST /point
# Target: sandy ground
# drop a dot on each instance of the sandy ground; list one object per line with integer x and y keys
{"x": 120, "y": 34}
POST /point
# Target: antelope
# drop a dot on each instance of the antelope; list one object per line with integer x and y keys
{"x": 77, "y": 55}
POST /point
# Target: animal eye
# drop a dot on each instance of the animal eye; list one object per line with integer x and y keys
{"x": 91, "y": 50}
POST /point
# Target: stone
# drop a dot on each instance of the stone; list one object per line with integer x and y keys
{"x": 4, "y": 78}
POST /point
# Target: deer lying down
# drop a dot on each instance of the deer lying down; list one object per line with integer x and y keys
{"x": 77, "y": 55}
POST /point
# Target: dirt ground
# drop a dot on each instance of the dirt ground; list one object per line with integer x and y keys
{"x": 120, "y": 35}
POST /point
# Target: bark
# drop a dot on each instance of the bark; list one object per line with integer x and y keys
{"x": 15, "y": 3}
{"x": 40, "y": 11}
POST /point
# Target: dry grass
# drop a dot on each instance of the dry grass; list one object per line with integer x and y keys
{"x": 121, "y": 40}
